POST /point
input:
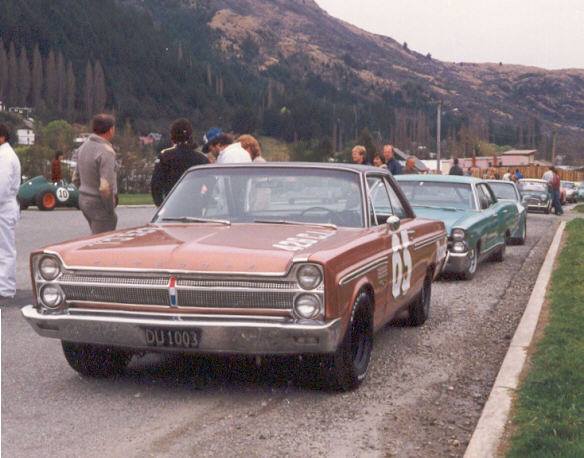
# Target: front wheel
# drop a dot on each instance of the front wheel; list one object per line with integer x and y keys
{"x": 499, "y": 256}
{"x": 347, "y": 367}
{"x": 94, "y": 360}
{"x": 472, "y": 264}
{"x": 46, "y": 201}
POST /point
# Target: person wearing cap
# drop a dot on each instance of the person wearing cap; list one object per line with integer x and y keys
{"x": 9, "y": 214}
{"x": 222, "y": 147}
{"x": 252, "y": 146}
{"x": 173, "y": 162}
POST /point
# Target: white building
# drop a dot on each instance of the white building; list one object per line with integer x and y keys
{"x": 25, "y": 136}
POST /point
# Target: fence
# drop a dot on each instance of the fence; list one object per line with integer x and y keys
{"x": 528, "y": 171}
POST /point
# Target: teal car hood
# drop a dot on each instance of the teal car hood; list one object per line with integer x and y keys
{"x": 450, "y": 218}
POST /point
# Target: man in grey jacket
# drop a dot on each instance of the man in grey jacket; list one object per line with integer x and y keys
{"x": 96, "y": 176}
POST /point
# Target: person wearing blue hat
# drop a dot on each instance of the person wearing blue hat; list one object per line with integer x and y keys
{"x": 222, "y": 147}
{"x": 212, "y": 134}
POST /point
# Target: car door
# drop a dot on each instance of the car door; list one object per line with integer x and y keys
{"x": 398, "y": 246}
{"x": 507, "y": 214}
{"x": 489, "y": 221}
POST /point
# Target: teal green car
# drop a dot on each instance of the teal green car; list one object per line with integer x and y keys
{"x": 479, "y": 226}
{"x": 47, "y": 195}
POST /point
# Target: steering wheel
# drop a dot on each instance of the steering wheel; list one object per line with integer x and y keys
{"x": 330, "y": 213}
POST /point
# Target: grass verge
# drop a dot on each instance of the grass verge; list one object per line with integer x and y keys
{"x": 135, "y": 199}
{"x": 579, "y": 208}
{"x": 549, "y": 415}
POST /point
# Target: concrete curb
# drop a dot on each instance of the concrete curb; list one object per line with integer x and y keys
{"x": 137, "y": 206}
{"x": 488, "y": 433}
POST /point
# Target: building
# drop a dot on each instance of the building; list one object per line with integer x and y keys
{"x": 25, "y": 137}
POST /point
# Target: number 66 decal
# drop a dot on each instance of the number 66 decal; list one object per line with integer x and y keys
{"x": 401, "y": 266}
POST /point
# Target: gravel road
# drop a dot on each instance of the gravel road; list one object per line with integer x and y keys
{"x": 423, "y": 396}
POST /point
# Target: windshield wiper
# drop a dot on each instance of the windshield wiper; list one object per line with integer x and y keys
{"x": 190, "y": 219}
{"x": 282, "y": 221}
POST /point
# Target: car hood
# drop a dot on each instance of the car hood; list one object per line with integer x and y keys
{"x": 450, "y": 218}
{"x": 209, "y": 248}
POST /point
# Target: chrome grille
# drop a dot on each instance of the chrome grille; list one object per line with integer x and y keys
{"x": 191, "y": 292}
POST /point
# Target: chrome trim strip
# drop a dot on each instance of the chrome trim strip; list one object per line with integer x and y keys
{"x": 170, "y": 308}
{"x": 428, "y": 241}
{"x": 174, "y": 316}
{"x": 363, "y": 270}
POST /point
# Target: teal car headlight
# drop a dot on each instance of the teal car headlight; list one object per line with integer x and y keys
{"x": 458, "y": 234}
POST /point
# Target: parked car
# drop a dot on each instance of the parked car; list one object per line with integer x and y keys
{"x": 536, "y": 194}
{"x": 230, "y": 265}
{"x": 479, "y": 226}
{"x": 570, "y": 190}
{"x": 507, "y": 191}
{"x": 47, "y": 195}
{"x": 580, "y": 193}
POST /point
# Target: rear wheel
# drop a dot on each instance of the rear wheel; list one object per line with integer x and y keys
{"x": 346, "y": 369}
{"x": 420, "y": 309}
{"x": 94, "y": 360}
{"x": 46, "y": 200}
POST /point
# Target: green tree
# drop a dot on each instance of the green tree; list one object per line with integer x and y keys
{"x": 58, "y": 136}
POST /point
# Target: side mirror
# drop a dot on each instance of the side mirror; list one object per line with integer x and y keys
{"x": 393, "y": 223}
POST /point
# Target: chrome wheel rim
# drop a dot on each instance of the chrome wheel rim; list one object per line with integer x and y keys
{"x": 472, "y": 266}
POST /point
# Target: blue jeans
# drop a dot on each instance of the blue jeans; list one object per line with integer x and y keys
{"x": 557, "y": 204}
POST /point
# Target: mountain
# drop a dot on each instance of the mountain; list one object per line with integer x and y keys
{"x": 284, "y": 68}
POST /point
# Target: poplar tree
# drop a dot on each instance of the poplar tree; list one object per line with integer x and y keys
{"x": 61, "y": 82}
{"x": 12, "y": 96}
{"x": 71, "y": 89}
{"x": 51, "y": 83}
{"x": 37, "y": 77}
{"x": 3, "y": 72}
{"x": 100, "y": 94}
{"x": 23, "y": 78}
{"x": 88, "y": 91}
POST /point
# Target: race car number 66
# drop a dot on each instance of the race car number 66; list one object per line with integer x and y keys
{"x": 401, "y": 266}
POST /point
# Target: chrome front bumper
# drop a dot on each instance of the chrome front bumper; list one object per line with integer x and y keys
{"x": 242, "y": 335}
{"x": 456, "y": 262}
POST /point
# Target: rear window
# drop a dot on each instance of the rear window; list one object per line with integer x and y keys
{"x": 439, "y": 194}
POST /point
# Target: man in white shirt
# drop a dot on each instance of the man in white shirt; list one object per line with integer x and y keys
{"x": 227, "y": 152}
{"x": 9, "y": 213}
{"x": 548, "y": 176}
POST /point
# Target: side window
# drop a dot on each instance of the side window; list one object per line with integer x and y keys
{"x": 396, "y": 203}
{"x": 379, "y": 201}
{"x": 484, "y": 200}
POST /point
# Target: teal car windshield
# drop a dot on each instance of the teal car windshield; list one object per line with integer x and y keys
{"x": 505, "y": 191}
{"x": 439, "y": 194}
{"x": 532, "y": 186}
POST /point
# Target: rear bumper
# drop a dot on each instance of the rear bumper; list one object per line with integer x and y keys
{"x": 217, "y": 335}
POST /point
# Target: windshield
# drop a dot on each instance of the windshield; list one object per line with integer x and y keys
{"x": 263, "y": 194}
{"x": 504, "y": 191}
{"x": 528, "y": 186}
{"x": 439, "y": 194}
{"x": 568, "y": 185}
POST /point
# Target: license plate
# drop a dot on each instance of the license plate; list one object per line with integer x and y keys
{"x": 172, "y": 338}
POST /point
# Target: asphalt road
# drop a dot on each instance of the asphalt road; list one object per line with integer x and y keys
{"x": 423, "y": 396}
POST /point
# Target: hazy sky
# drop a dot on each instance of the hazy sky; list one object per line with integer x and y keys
{"x": 544, "y": 33}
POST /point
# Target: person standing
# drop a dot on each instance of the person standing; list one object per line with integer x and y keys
{"x": 392, "y": 164}
{"x": 173, "y": 162}
{"x": 96, "y": 176}
{"x": 9, "y": 213}
{"x": 518, "y": 175}
{"x": 410, "y": 168}
{"x": 555, "y": 183}
{"x": 56, "y": 174}
{"x": 358, "y": 155}
{"x": 252, "y": 146}
{"x": 378, "y": 161}
{"x": 221, "y": 146}
{"x": 455, "y": 169}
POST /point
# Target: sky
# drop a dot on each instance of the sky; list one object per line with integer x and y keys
{"x": 542, "y": 33}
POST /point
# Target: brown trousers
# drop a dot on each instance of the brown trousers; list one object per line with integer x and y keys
{"x": 100, "y": 218}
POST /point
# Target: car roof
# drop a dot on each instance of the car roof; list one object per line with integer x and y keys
{"x": 313, "y": 165}
{"x": 440, "y": 178}
{"x": 537, "y": 180}
{"x": 501, "y": 182}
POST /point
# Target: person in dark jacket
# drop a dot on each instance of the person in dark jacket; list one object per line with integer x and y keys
{"x": 56, "y": 174}
{"x": 455, "y": 169}
{"x": 394, "y": 167}
{"x": 173, "y": 162}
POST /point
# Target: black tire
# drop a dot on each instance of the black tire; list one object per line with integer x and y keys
{"x": 499, "y": 256}
{"x": 471, "y": 268}
{"x": 346, "y": 369}
{"x": 547, "y": 210}
{"x": 23, "y": 205}
{"x": 94, "y": 360}
{"x": 521, "y": 240}
{"x": 419, "y": 310}
{"x": 46, "y": 201}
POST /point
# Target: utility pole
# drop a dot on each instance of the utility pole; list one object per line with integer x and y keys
{"x": 438, "y": 135}
{"x": 554, "y": 143}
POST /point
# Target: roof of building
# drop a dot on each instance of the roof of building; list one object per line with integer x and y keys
{"x": 520, "y": 152}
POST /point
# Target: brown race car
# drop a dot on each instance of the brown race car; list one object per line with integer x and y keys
{"x": 256, "y": 259}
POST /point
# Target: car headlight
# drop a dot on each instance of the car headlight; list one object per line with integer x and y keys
{"x": 459, "y": 247}
{"x": 543, "y": 196}
{"x": 458, "y": 234}
{"x": 51, "y": 296}
{"x": 49, "y": 267}
{"x": 307, "y": 306}
{"x": 309, "y": 276}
